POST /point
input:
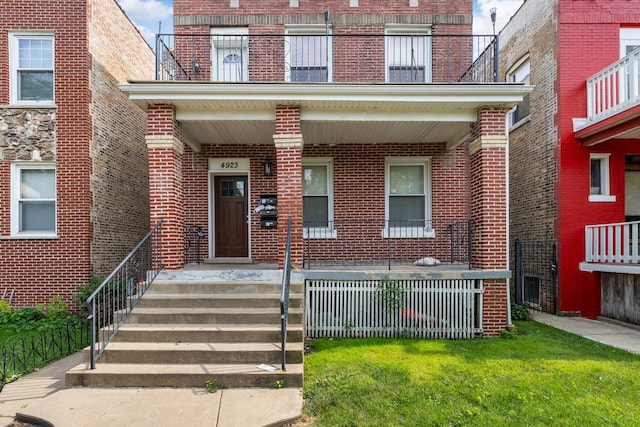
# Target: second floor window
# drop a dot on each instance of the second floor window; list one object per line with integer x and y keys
{"x": 520, "y": 74}
{"x": 31, "y": 64}
{"x": 308, "y": 54}
{"x": 408, "y": 54}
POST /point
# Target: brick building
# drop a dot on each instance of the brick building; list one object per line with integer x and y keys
{"x": 369, "y": 125}
{"x": 73, "y": 161}
{"x": 574, "y": 155}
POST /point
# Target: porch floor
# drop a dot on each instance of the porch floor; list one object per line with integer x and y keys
{"x": 261, "y": 271}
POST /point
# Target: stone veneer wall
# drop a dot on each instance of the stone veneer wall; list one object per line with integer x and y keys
{"x": 27, "y": 134}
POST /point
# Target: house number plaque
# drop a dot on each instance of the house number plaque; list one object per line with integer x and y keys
{"x": 229, "y": 165}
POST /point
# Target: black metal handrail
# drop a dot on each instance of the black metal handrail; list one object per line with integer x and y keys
{"x": 379, "y": 242}
{"x": 323, "y": 58}
{"x": 284, "y": 296}
{"x": 111, "y": 303}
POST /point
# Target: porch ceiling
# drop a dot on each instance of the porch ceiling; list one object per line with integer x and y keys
{"x": 621, "y": 125}
{"x": 244, "y": 113}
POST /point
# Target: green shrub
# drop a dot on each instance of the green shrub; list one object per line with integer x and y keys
{"x": 56, "y": 308}
{"x": 5, "y": 309}
{"x": 85, "y": 290}
{"x": 520, "y": 312}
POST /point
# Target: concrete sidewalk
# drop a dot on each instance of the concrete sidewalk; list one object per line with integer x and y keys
{"x": 607, "y": 333}
{"x": 42, "y": 394}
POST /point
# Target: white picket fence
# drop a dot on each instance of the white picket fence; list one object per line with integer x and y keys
{"x": 449, "y": 309}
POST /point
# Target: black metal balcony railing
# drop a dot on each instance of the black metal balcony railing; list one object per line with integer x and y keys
{"x": 337, "y": 58}
{"x": 364, "y": 242}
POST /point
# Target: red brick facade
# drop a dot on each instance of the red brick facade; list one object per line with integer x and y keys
{"x": 467, "y": 179}
{"x": 89, "y": 127}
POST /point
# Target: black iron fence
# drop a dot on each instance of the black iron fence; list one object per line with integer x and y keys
{"x": 327, "y": 57}
{"x": 364, "y": 242}
{"x": 535, "y": 275}
{"x": 28, "y": 351}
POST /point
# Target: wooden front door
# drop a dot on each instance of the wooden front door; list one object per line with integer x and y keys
{"x": 230, "y": 212}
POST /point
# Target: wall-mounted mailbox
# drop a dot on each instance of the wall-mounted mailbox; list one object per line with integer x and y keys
{"x": 269, "y": 211}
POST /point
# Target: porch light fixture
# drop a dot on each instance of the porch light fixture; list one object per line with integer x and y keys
{"x": 268, "y": 167}
{"x": 195, "y": 65}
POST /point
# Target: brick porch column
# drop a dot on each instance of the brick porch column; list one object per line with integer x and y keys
{"x": 165, "y": 182}
{"x": 489, "y": 208}
{"x": 288, "y": 142}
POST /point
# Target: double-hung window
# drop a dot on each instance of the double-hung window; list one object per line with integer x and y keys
{"x": 599, "y": 179}
{"x": 408, "y": 197}
{"x": 408, "y": 53}
{"x": 31, "y": 68}
{"x": 33, "y": 199}
{"x": 317, "y": 197}
{"x": 308, "y": 53}
{"x": 519, "y": 74}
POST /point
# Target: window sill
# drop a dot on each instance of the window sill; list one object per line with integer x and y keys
{"x": 31, "y": 105}
{"x": 320, "y": 233}
{"x": 520, "y": 123}
{"x": 30, "y": 236}
{"x": 601, "y": 198}
{"x": 408, "y": 233}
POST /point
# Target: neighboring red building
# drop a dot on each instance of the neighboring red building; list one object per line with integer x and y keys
{"x": 73, "y": 161}
{"x": 575, "y": 155}
{"x": 369, "y": 125}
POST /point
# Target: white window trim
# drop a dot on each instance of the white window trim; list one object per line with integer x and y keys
{"x": 512, "y": 71}
{"x": 241, "y": 42}
{"x": 16, "y": 169}
{"x": 323, "y": 232}
{"x": 410, "y": 30}
{"x": 604, "y": 177}
{"x": 13, "y": 66}
{"x": 628, "y": 37}
{"x": 409, "y": 232}
{"x": 308, "y": 30}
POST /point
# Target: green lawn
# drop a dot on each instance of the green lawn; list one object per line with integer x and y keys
{"x": 540, "y": 377}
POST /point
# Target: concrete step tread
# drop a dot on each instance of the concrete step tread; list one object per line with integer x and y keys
{"x": 222, "y": 282}
{"x": 199, "y": 346}
{"x": 202, "y": 310}
{"x": 196, "y": 296}
{"x": 184, "y": 369}
{"x": 206, "y": 327}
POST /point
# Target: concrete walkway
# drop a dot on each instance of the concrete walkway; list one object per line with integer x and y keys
{"x": 42, "y": 394}
{"x": 611, "y": 334}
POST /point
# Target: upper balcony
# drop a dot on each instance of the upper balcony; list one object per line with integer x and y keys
{"x": 303, "y": 57}
{"x": 613, "y": 103}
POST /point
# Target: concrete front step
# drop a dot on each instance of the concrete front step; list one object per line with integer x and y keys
{"x": 230, "y": 287}
{"x": 223, "y": 316}
{"x": 188, "y": 352}
{"x": 208, "y": 300}
{"x": 136, "y": 332}
{"x": 183, "y": 375}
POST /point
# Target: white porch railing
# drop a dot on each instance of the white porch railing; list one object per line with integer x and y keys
{"x": 394, "y": 308}
{"x": 613, "y": 243}
{"x": 615, "y": 88}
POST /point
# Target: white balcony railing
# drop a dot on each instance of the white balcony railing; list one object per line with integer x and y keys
{"x": 615, "y": 88}
{"x": 613, "y": 243}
